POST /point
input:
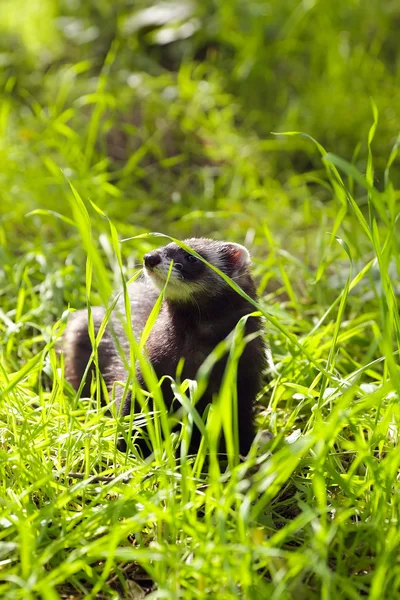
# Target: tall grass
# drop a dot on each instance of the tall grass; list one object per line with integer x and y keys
{"x": 318, "y": 515}
{"x": 101, "y": 142}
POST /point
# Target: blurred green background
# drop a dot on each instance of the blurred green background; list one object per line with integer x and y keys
{"x": 162, "y": 114}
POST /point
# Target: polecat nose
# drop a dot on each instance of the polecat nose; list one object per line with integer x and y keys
{"x": 152, "y": 259}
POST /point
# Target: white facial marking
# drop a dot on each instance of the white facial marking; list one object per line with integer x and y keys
{"x": 177, "y": 288}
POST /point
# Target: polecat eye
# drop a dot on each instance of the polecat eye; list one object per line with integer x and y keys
{"x": 190, "y": 258}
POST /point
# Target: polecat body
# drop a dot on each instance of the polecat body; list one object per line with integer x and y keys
{"x": 199, "y": 310}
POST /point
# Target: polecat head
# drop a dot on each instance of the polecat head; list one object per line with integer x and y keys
{"x": 191, "y": 278}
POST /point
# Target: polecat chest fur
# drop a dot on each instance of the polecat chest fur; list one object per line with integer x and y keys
{"x": 199, "y": 310}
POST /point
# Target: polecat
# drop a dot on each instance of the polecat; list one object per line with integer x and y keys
{"x": 199, "y": 310}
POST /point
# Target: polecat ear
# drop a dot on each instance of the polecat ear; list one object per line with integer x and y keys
{"x": 237, "y": 256}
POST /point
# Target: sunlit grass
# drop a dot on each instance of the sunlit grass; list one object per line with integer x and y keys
{"x": 313, "y": 512}
{"x": 318, "y": 514}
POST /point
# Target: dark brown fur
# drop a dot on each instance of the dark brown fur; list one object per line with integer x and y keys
{"x": 189, "y": 329}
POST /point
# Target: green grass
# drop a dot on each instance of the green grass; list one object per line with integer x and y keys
{"x": 176, "y": 139}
